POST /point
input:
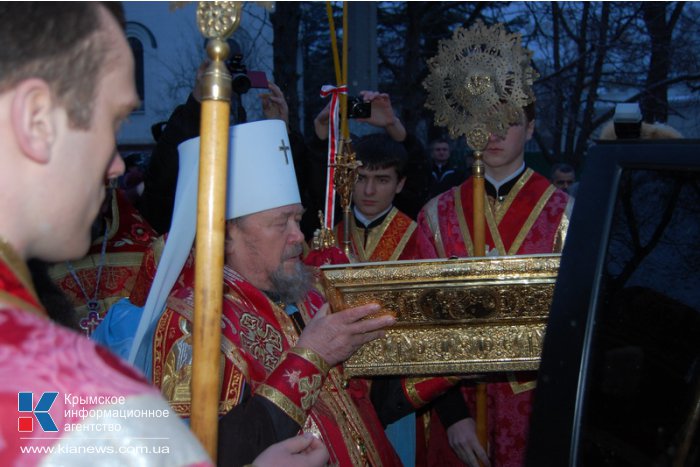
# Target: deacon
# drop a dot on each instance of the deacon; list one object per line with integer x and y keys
{"x": 380, "y": 232}
{"x": 525, "y": 214}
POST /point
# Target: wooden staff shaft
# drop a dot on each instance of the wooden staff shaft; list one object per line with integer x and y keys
{"x": 334, "y": 43}
{"x": 344, "y": 127}
{"x": 344, "y": 68}
{"x": 346, "y": 231}
{"x": 209, "y": 272}
{"x": 482, "y": 432}
{"x": 480, "y": 250}
{"x": 479, "y": 224}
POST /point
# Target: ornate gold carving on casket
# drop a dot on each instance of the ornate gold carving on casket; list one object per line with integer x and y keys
{"x": 455, "y": 316}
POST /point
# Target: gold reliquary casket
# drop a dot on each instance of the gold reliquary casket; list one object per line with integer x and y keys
{"x": 455, "y": 316}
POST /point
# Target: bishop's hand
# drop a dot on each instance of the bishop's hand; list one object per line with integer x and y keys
{"x": 336, "y": 336}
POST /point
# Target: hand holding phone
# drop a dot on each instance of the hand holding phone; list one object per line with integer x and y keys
{"x": 273, "y": 103}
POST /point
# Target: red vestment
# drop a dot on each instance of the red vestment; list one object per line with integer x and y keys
{"x": 532, "y": 218}
{"x": 259, "y": 356}
{"x": 128, "y": 237}
{"x": 78, "y": 398}
{"x": 396, "y": 238}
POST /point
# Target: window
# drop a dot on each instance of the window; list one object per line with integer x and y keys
{"x": 619, "y": 380}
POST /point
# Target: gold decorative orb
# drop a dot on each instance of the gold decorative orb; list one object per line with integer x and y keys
{"x": 478, "y": 137}
{"x": 217, "y": 49}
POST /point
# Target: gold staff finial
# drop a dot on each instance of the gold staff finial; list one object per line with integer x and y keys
{"x": 323, "y": 237}
{"x": 345, "y": 177}
{"x": 218, "y": 20}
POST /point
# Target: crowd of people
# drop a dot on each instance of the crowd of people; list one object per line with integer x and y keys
{"x": 86, "y": 264}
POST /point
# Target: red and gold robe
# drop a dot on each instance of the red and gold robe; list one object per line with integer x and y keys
{"x": 128, "y": 237}
{"x": 396, "y": 238}
{"x": 82, "y": 388}
{"x": 259, "y": 357}
{"x": 531, "y": 219}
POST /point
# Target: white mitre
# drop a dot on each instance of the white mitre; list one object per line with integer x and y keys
{"x": 261, "y": 174}
{"x": 260, "y": 177}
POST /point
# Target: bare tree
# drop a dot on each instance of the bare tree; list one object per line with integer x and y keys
{"x": 588, "y": 51}
{"x": 409, "y": 36}
{"x": 660, "y": 29}
{"x": 590, "y": 55}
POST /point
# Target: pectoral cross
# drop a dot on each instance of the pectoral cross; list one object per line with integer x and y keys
{"x": 285, "y": 148}
{"x": 92, "y": 320}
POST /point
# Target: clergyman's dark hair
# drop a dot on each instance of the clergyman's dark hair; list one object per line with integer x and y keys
{"x": 379, "y": 151}
{"x": 60, "y": 43}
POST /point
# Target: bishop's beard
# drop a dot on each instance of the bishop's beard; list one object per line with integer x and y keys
{"x": 295, "y": 285}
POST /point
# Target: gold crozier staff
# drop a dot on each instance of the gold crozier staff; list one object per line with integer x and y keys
{"x": 217, "y": 21}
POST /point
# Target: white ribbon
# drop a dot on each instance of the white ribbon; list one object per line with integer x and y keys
{"x": 333, "y": 142}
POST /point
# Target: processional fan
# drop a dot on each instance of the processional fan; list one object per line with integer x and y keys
{"x": 478, "y": 84}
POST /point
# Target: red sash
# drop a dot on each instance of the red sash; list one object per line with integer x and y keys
{"x": 16, "y": 287}
{"x": 532, "y": 219}
{"x": 396, "y": 238}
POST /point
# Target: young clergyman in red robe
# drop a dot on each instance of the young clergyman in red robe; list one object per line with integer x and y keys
{"x": 66, "y": 83}
{"x": 379, "y": 231}
{"x": 525, "y": 214}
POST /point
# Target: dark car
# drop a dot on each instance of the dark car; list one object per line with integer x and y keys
{"x": 619, "y": 381}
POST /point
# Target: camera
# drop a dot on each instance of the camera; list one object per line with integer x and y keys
{"x": 242, "y": 79}
{"x": 358, "y": 108}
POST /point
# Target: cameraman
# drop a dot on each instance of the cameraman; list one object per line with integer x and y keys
{"x": 158, "y": 197}
{"x": 415, "y": 191}
{"x": 156, "y": 202}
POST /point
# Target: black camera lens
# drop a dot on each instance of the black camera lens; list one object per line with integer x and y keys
{"x": 358, "y": 108}
{"x": 240, "y": 83}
